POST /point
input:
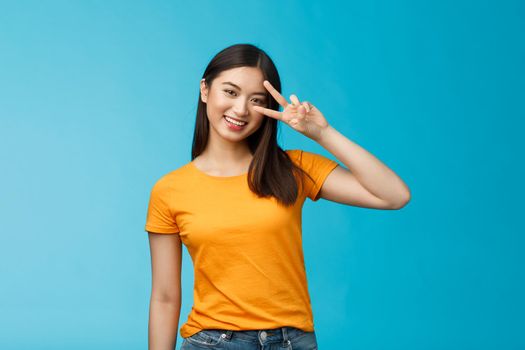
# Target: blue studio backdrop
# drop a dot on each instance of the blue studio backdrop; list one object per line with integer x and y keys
{"x": 98, "y": 100}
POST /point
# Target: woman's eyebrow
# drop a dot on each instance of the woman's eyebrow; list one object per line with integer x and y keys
{"x": 236, "y": 86}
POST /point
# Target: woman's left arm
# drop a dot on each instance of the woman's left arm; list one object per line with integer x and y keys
{"x": 366, "y": 183}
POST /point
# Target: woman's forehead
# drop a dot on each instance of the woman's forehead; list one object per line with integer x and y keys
{"x": 246, "y": 78}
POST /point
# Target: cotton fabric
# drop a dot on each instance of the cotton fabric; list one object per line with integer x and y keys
{"x": 247, "y": 253}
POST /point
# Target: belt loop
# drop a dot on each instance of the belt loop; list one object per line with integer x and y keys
{"x": 286, "y": 341}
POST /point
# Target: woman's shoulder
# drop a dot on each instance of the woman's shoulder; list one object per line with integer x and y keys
{"x": 177, "y": 176}
{"x": 310, "y": 161}
{"x": 294, "y": 153}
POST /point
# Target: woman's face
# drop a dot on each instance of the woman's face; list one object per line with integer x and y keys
{"x": 232, "y": 95}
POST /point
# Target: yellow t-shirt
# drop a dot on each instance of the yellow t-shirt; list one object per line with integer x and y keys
{"x": 247, "y": 251}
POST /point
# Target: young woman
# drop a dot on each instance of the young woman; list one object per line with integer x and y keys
{"x": 237, "y": 208}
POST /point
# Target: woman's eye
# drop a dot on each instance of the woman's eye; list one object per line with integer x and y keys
{"x": 232, "y": 93}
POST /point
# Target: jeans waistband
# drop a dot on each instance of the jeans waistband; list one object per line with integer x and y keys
{"x": 281, "y": 334}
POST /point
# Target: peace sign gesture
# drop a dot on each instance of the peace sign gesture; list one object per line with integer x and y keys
{"x": 301, "y": 116}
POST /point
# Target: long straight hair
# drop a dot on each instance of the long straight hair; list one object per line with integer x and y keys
{"x": 271, "y": 171}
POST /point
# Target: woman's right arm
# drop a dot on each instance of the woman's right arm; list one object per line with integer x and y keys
{"x": 165, "y": 301}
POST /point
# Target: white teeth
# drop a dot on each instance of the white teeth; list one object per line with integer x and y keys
{"x": 234, "y": 121}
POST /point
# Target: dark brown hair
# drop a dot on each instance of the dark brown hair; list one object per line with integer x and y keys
{"x": 271, "y": 171}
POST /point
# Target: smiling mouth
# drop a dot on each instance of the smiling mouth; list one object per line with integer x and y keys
{"x": 235, "y": 121}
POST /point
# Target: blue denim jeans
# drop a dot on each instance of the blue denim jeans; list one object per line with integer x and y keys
{"x": 284, "y": 338}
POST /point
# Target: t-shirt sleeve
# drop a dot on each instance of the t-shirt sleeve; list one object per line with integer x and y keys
{"x": 318, "y": 167}
{"x": 159, "y": 218}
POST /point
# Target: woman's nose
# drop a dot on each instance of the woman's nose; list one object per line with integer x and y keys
{"x": 240, "y": 107}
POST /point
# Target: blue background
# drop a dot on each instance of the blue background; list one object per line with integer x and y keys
{"x": 98, "y": 100}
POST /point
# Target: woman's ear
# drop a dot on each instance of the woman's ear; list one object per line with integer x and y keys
{"x": 204, "y": 91}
